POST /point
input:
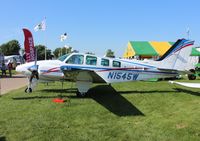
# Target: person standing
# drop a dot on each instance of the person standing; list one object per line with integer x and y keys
{"x": 10, "y": 68}
{"x": 3, "y": 70}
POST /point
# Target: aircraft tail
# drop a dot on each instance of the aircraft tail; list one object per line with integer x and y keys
{"x": 177, "y": 56}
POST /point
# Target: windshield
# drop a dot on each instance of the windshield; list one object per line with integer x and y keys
{"x": 62, "y": 58}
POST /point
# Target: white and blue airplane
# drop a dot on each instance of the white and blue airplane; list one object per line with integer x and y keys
{"x": 86, "y": 69}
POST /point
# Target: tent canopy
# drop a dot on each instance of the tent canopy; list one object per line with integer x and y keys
{"x": 143, "y": 48}
{"x": 195, "y": 52}
{"x": 161, "y": 47}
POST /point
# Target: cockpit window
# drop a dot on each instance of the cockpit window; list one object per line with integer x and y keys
{"x": 116, "y": 64}
{"x": 62, "y": 58}
{"x": 104, "y": 62}
{"x": 75, "y": 59}
{"x": 91, "y": 60}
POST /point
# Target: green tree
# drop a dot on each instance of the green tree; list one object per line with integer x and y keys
{"x": 68, "y": 50}
{"x": 10, "y": 48}
{"x": 41, "y": 52}
{"x": 62, "y": 51}
{"x": 110, "y": 53}
{"x": 56, "y": 52}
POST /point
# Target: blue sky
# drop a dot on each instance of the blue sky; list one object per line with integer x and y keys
{"x": 98, "y": 25}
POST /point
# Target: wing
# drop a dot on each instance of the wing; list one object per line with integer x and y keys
{"x": 71, "y": 74}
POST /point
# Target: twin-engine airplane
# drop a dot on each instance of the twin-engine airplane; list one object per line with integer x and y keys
{"x": 86, "y": 69}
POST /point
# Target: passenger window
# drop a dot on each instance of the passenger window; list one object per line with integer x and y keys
{"x": 91, "y": 60}
{"x": 104, "y": 62}
{"x": 75, "y": 59}
{"x": 116, "y": 64}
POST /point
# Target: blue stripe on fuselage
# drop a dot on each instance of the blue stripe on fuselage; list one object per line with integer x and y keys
{"x": 70, "y": 68}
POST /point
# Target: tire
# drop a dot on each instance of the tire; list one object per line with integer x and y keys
{"x": 191, "y": 77}
{"x": 28, "y": 90}
{"x": 79, "y": 94}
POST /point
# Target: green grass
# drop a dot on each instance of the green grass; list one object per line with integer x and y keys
{"x": 149, "y": 111}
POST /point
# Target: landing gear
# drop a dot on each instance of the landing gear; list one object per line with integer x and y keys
{"x": 83, "y": 83}
{"x": 192, "y": 76}
{"x": 81, "y": 94}
{"x": 28, "y": 90}
{"x": 32, "y": 84}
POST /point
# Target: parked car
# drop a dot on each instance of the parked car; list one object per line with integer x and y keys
{"x": 13, "y": 60}
{"x": 20, "y": 60}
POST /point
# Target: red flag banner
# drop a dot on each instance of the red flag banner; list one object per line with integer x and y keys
{"x": 29, "y": 45}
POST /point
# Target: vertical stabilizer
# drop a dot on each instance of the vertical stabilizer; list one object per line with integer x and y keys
{"x": 177, "y": 56}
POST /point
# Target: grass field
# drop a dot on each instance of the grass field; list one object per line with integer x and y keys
{"x": 7, "y": 72}
{"x": 137, "y": 111}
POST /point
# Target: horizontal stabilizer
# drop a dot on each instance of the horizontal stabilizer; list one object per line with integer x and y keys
{"x": 190, "y": 85}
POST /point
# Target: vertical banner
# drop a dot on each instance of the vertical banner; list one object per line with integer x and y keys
{"x": 29, "y": 45}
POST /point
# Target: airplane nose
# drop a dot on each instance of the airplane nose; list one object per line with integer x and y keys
{"x": 22, "y": 69}
{"x": 18, "y": 68}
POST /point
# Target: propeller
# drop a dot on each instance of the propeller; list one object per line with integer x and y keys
{"x": 34, "y": 72}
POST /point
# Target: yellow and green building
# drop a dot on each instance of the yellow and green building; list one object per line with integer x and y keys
{"x": 150, "y": 49}
{"x": 146, "y": 49}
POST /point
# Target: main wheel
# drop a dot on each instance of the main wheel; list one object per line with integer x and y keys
{"x": 28, "y": 90}
{"x": 191, "y": 77}
{"x": 81, "y": 94}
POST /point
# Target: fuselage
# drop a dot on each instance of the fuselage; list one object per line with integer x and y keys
{"x": 112, "y": 70}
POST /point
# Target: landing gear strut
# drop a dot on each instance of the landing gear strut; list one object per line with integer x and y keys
{"x": 192, "y": 76}
{"x": 81, "y": 94}
{"x": 83, "y": 83}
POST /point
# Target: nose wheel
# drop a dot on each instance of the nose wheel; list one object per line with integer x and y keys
{"x": 81, "y": 94}
{"x": 28, "y": 90}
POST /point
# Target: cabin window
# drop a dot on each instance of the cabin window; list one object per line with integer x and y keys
{"x": 75, "y": 59}
{"x": 62, "y": 58}
{"x": 116, "y": 64}
{"x": 104, "y": 62}
{"x": 91, "y": 60}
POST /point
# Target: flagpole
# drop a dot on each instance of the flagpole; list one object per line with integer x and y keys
{"x": 42, "y": 26}
{"x": 45, "y": 52}
{"x": 188, "y": 33}
{"x": 62, "y": 38}
{"x": 45, "y": 49}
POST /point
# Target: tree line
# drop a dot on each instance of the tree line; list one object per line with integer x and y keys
{"x": 13, "y": 47}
